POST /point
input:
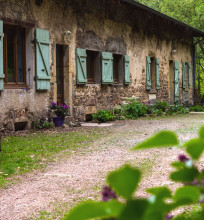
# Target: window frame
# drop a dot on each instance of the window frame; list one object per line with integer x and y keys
{"x": 91, "y": 54}
{"x": 120, "y": 70}
{"x": 95, "y": 66}
{"x": 14, "y": 84}
{"x": 187, "y": 76}
{"x": 153, "y": 73}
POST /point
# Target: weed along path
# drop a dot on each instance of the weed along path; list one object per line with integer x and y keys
{"x": 77, "y": 175}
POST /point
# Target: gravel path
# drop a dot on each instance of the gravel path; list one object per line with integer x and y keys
{"x": 82, "y": 174}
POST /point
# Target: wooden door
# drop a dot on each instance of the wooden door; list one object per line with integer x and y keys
{"x": 171, "y": 83}
{"x": 60, "y": 74}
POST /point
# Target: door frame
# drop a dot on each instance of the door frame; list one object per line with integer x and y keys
{"x": 61, "y": 60}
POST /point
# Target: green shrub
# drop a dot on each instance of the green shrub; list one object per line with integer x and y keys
{"x": 150, "y": 109}
{"x": 157, "y": 112}
{"x": 41, "y": 124}
{"x": 161, "y": 105}
{"x": 103, "y": 116}
{"x": 47, "y": 125}
{"x": 196, "y": 108}
{"x": 134, "y": 109}
{"x": 176, "y": 109}
{"x": 124, "y": 181}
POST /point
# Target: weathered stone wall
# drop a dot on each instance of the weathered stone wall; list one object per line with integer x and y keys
{"x": 101, "y": 25}
{"x": 137, "y": 34}
{"x": 21, "y": 106}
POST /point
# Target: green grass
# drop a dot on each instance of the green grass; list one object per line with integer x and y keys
{"x": 190, "y": 214}
{"x": 21, "y": 154}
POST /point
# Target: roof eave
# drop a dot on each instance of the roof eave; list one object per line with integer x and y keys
{"x": 196, "y": 32}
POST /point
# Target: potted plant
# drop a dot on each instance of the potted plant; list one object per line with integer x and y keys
{"x": 60, "y": 111}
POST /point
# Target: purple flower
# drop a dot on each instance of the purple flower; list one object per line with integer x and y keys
{"x": 108, "y": 194}
{"x": 195, "y": 182}
{"x": 66, "y": 106}
{"x": 54, "y": 104}
{"x": 183, "y": 158}
{"x": 202, "y": 182}
{"x": 168, "y": 216}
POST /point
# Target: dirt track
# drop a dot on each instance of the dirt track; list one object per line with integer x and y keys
{"x": 81, "y": 175}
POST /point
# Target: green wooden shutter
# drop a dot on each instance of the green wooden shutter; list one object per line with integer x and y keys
{"x": 107, "y": 68}
{"x": 176, "y": 81}
{"x": 157, "y": 74}
{"x": 127, "y": 69}
{"x": 189, "y": 75}
{"x": 184, "y": 75}
{"x": 2, "y": 76}
{"x": 81, "y": 66}
{"x": 148, "y": 73}
{"x": 42, "y": 59}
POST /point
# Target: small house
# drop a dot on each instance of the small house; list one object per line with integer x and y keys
{"x": 91, "y": 55}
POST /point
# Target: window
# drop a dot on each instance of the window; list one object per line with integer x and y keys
{"x": 186, "y": 70}
{"x": 117, "y": 68}
{"x": 101, "y": 67}
{"x": 91, "y": 65}
{"x": 152, "y": 73}
{"x": 14, "y": 55}
{"x": 88, "y": 66}
{"x": 187, "y": 77}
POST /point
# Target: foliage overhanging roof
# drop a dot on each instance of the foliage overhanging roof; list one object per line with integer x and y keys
{"x": 196, "y": 32}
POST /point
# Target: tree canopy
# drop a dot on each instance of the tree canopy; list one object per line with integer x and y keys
{"x": 190, "y": 12}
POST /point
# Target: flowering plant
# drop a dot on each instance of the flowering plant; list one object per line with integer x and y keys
{"x": 60, "y": 110}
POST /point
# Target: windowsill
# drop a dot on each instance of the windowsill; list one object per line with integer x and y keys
{"x": 152, "y": 91}
{"x": 118, "y": 84}
{"x": 15, "y": 86}
{"x": 91, "y": 82}
{"x": 186, "y": 89}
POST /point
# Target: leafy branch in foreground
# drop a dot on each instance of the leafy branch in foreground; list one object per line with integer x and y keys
{"x": 124, "y": 181}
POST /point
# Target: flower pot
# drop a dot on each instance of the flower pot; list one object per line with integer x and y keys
{"x": 58, "y": 121}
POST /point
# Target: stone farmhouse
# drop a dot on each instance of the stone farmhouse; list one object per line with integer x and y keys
{"x": 89, "y": 54}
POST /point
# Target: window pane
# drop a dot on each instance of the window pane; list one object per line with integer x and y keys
{"x": 187, "y": 66}
{"x": 10, "y": 54}
{"x": 153, "y": 72}
{"x": 91, "y": 57}
{"x": 20, "y": 56}
{"x": 116, "y": 66}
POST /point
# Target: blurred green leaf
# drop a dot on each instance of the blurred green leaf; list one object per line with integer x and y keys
{"x": 134, "y": 210}
{"x": 201, "y": 176}
{"x": 154, "y": 214}
{"x": 161, "y": 139}
{"x": 178, "y": 165}
{"x": 189, "y": 194}
{"x": 124, "y": 180}
{"x": 195, "y": 147}
{"x": 160, "y": 192}
{"x": 184, "y": 175}
{"x": 201, "y": 132}
{"x": 90, "y": 210}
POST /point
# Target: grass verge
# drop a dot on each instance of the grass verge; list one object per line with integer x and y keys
{"x": 21, "y": 154}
